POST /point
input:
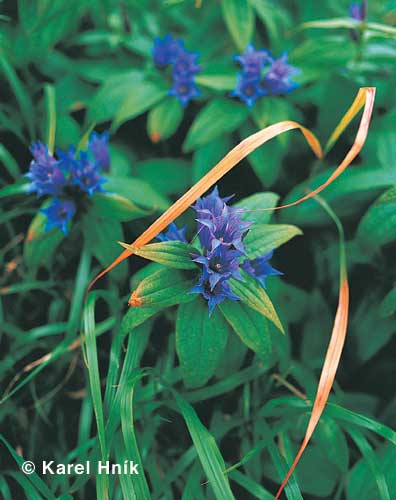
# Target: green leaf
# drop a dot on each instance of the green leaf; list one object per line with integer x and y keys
{"x": 50, "y": 101}
{"x": 250, "y": 326}
{"x": 346, "y": 196}
{"x": 128, "y": 431}
{"x": 208, "y": 453}
{"x": 117, "y": 207}
{"x": 217, "y": 81}
{"x": 239, "y": 18}
{"x": 138, "y": 191}
{"x": 174, "y": 254}
{"x": 252, "y": 207}
{"x": 102, "y": 235}
{"x": 253, "y": 295}
{"x": 166, "y": 175}
{"x": 164, "y": 119}
{"x": 200, "y": 341}
{"x": 378, "y": 226}
{"x": 139, "y": 99}
{"x": 23, "y": 98}
{"x": 218, "y": 117}
{"x": 40, "y": 245}
{"x": 108, "y": 99}
{"x": 9, "y": 162}
{"x": 164, "y": 288}
{"x": 262, "y": 238}
{"x": 372, "y": 461}
{"x": 94, "y": 382}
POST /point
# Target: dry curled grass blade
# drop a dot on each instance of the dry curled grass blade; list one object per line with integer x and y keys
{"x": 218, "y": 171}
{"x": 365, "y": 97}
{"x": 327, "y": 377}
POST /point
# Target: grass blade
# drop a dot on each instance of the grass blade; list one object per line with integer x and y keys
{"x": 50, "y": 102}
{"x": 334, "y": 350}
{"x": 211, "y": 460}
{"x": 94, "y": 381}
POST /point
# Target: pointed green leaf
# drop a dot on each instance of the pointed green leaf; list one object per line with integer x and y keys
{"x": 262, "y": 238}
{"x": 218, "y": 117}
{"x": 250, "y": 326}
{"x": 200, "y": 341}
{"x": 253, "y": 295}
{"x": 174, "y": 254}
{"x": 239, "y": 18}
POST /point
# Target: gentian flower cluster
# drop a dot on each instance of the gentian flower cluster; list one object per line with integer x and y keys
{"x": 168, "y": 51}
{"x": 64, "y": 178}
{"x": 221, "y": 232}
{"x": 263, "y": 75}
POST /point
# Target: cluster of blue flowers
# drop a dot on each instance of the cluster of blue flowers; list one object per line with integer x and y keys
{"x": 168, "y": 51}
{"x": 66, "y": 176}
{"x": 263, "y": 75}
{"x": 221, "y": 232}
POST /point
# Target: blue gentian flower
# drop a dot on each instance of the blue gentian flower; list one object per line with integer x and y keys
{"x": 221, "y": 232}
{"x": 227, "y": 230}
{"x": 185, "y": 90}
{"x": 185, "y": 67}
{"x": 253, "y": 61}
{"x": 87, "y": 176}
{"x": 166, "y": 50}
{"x": 278, "y": 80}
{"x": 57, "y": 176}
{"x": 58, "y": 214}
{"x": 358, "y": 11}
{"x": 45, "y": 173}
{"x": 220, "y": 264}
{"x": 99, "y": 148}
{"x": 173, "y": 233}
{"x": 211, "y": 205}
{"x": 260, "y": 268}
{"x": 248, "y": 89}
{"x": 214, "y": 295}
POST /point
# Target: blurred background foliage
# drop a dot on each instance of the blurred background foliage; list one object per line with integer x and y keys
{"x": 70, "y": 66}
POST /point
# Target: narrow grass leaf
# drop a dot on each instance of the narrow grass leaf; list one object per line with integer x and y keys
{"x": 50, "y": 103}
{"x": 94, "y": 380}
{"x": 372, "y": 461}
{"x": 208, "y": 453}
{"x": 127, "y": 424}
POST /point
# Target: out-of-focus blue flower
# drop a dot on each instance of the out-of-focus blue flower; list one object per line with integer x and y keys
{"x": 68, "y": 160}
{"x": 278, "y": 80}
{"x": 45, "y": 173}
{"x": 99, "y": 148}
{"x": 86, "y": 175}
{"x": 358, "y": 11}
{"x": 173, "y": 233}
{"x": 59, "y": 213}
{"x": 166, "y": 50}
{"x": 185, "y": 66}
{"x": 248, "y": 89}
{"x": 214, "y": 295}
{"x": 184, "y": 90}
{"x": 260, "y": 268}
{"x": 220, "y": 264}
{"x": 253, "y": 61}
